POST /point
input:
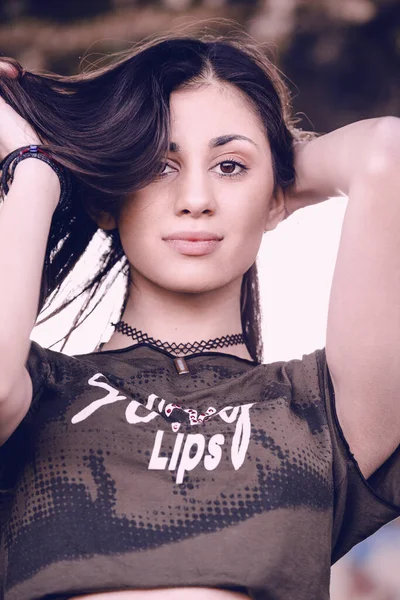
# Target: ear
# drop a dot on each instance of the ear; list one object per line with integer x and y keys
{"x": 277, "y": 210}
{"x": 103, "y": 219}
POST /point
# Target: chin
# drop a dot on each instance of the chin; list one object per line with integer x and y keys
{"x": 194, "y": 283}
{"x": 192, "y": 287}
{"x": 195, "y": 278}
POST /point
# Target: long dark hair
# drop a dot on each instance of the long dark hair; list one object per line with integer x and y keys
{"x": 109, "y": 126}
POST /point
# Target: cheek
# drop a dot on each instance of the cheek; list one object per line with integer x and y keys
{"x": 139, "y": 218}
{"x": 134, "y": 231}
{"x": 249, "y": 209}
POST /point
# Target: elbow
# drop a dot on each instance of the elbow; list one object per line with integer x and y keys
{"x": 384, "y": 147}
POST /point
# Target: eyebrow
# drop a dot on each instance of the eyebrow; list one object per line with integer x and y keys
{"x": 218, "y": 141}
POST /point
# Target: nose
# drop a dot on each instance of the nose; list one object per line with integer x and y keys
{"x": 194, "y": 195}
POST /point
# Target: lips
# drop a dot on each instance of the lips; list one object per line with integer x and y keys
{"x": 191, "y": 243}
{"x": 193, "y": 236}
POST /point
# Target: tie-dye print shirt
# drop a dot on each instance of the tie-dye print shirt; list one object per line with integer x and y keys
{"x": 127, "y": 475}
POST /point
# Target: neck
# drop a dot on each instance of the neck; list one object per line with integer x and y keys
{"x": 182, "y": 317}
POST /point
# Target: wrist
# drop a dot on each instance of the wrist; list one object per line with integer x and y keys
{"x": 35, "y": 174}
{"x": 39, "y": 171}
{"x": 328, "y": 165}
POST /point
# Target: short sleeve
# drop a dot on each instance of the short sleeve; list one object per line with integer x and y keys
{"x": 15, "y": 451}
{"x": 38, "y": 366}
{"x": 361, "y": 506}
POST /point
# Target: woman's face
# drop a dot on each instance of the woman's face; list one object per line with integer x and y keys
{"x": 199, "y": 225}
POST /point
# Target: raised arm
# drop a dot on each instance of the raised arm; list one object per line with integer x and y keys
{"x": 25, "y": 218}
{"x": 362, "y": 160}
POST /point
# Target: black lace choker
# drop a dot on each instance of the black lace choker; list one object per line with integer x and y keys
{"x": 185, "y": 349}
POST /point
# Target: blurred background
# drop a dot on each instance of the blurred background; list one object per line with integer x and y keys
{"x": 341, "y": 59}
{"x": 342, "y": 55}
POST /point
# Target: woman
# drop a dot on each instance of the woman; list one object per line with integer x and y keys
{"x": 170, "y": 462}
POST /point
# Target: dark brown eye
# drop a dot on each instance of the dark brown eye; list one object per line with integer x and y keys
{"x": 227, "y": 167}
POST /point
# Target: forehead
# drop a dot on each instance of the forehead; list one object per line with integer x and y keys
{"x": 213, "y": 109}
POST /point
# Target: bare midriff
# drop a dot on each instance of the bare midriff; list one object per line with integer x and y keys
{"x": 182, "y": 593}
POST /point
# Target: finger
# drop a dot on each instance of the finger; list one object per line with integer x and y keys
{"x": 8, "y": 70}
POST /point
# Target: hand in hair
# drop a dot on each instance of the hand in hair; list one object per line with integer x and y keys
{"x": 8, "y": 70}
{"x": 302, "y": 192}
{"x": 15, "y": 132}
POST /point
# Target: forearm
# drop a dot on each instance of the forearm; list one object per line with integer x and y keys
{"x": 25, "y": 219}
{"x": 329, "y": 165}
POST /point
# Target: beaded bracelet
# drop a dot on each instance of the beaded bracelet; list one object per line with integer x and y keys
{"x": 33, "y": 151}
